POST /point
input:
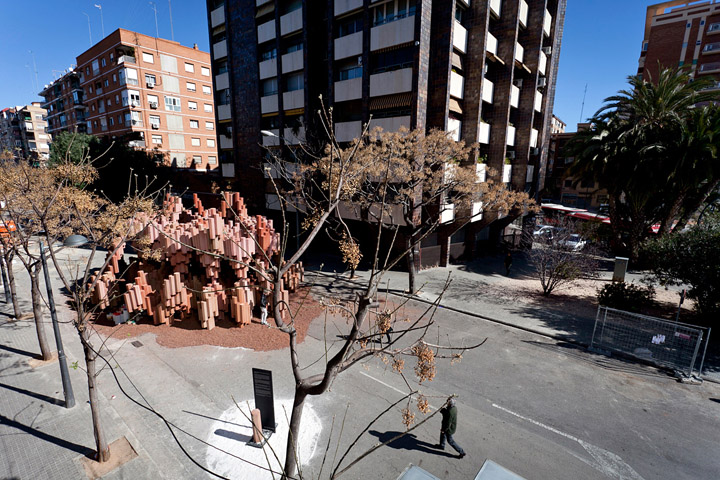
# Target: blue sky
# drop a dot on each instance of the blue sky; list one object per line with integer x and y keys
{"x": 601, "y": 44}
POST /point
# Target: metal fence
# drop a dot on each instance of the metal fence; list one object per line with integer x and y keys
{"x": 662, "y": 342}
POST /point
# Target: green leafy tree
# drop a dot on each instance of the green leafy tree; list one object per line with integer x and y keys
{"x": 71, "y": 147}
{"x": 692, "y": 258}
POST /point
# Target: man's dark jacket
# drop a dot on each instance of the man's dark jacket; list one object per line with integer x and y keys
{"x": 449, "y": 419}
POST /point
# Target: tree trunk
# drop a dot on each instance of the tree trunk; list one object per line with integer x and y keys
{"x": 45, "y": 350}
{"x": 101, "y": 446}
{"x": 291, "y": 451}
{"x": 410, "y": 264}
{"x": 11, "y": 286}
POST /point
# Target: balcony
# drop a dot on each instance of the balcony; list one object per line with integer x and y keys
{"x": 523, "y": 13}
{"x": 126, "y": 59}
{"x": 225, "y": 142}
{"x": 294, "y": 99}
{"x": 510, "y": 140}
{"x": 477, "y": 211}
{"x": 349, "y": 46}
{"x": 484, "y": 133}
{"x": 514, "y": 96}
{"x": 394, "y": 33}
{"x": 496, "y": 7}
{"x": 457, "y": 85}
{"x": 348, "y": 89}
{"x": 292, "y": 61}
{"x": 507, "y": 173}
{"x": 481, "y": 172}
{"x": 220, "y": 49}
{"x": 454, "y": 126}
{"x": 388, "y": 83}
{"x": 224, "y": 112}
{"x": 266, "y": 31}
{"x": 272, "y": 141}
{"x": 292, "y": 138}
{"x": 533, "y": 138}
{"x": 391, "y": 124}
{"x": 519, "y": 53}
{"x": 542, "y": 63}
{"x": 488, "y": 90}
{"x": 217, "y": 16}
{"x": 343, "y": 6}
{"x": 711, "y": 48}
{"x": 491, "y": 44}
{"x": 259, "y": 3}
{"x": 269, "y": 104}
{"x": 538, "y": 101}
{"x": 530, "y": 173}
{"x": 222, "y": 81}
{"x": 348, "y": 131}
{"x": 291, "y": 22}
{"x": 710, "y": 67}
{"x": 228, "y": 170}
{"x": 268, "y": 68}
{"x": 447, "y": 213}
{"x": 460, "y": 37}
{"x": 547, "y": 23}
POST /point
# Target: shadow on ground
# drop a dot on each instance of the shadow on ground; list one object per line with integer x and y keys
{"x": 408, "y": 442}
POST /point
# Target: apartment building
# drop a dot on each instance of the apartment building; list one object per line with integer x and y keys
{"x": 557, "y": 125}
{"x": 482, "y": 70}
{"x": 685, "y": 34}
{"x": 64, "y": 104}
{"x": 23, "y": 131}
{"x": 153, "y": 92}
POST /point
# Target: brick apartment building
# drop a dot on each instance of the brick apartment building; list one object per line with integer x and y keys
{"x": 680, "y": 34}
{"x": 153, "y": 92}
{"x": 23, "y": 131}
{"x": 64, "y": 104}
{"x": 484, "y": 71}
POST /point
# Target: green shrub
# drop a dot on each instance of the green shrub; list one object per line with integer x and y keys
{"x": 626, "y": 296}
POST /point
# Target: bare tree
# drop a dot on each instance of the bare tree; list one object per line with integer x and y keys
{"x": 560, "y": 256}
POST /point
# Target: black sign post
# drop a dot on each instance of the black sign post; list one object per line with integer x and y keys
{"x": 263, "y": 389}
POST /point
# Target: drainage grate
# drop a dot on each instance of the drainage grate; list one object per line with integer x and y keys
{"x": 136, "y": 344}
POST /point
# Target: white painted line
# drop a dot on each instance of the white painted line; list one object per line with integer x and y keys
{"x": 391, "y": 387}
{"x": 605, "y": 461}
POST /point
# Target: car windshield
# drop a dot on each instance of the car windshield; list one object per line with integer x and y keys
{"x": 574, "y": 238}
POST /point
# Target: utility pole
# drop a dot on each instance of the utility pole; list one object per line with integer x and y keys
{"x": 157, "y": 32}
{"x": 102, "y": 22}
{"x": 172, "y": 32}
{"x": 89, "y": 29}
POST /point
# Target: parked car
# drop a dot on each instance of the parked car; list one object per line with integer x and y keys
{"x": 543, "y": 231}
{"x": 574, "y": 242}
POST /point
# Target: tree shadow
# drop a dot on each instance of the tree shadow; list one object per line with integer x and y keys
{"x": 215, "y": 419}
{"x": 233, "y": 435}
{"x": 39, "y": 396}
{"x": 716, "y": 400}
{"x": 409, "y": 442}
{"x": 74, "y": 447}
{"x": 18, "y": 351}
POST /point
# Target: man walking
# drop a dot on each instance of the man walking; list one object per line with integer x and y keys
{"x": 449, "y": 424}
{"x": 263, "y": 308}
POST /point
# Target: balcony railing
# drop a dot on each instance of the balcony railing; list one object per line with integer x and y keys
{"x": 394, "y": 18}
{"x": 126, "y": 59}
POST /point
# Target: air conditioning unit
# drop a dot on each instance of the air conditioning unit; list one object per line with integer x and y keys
{"x": 547, "y": 50}
{"x": 153, "y": 105}
{"x": 135, "y": 122}
{"x": 155, "y": 126}
{"x": 534, "y": 151}
{"x": 510, "y": 154}
{"x": 150, "y": 84}
{"x": 542, "y": 82}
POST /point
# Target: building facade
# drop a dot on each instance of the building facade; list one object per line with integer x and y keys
{"x": 23, "y": 131}
{"x": 155, "y": 93}
{"x": 557, "y": 125}
{"x": 64, "y": 104}
{"x": 678, "y": 34}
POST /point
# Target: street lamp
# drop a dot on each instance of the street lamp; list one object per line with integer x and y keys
{"x": 64, "y": 373}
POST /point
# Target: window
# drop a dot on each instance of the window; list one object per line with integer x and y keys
{"x": 106, "y": 82}
{"x": 195, "y": 142}
{"x": 134, "y": 98}
{"x": 267, "y": 53}
{"x": 172, "y": 104}
{"x": 157, "y": 139}
{"x": 208, "y": 108}
{"x": 221, "y": 67}
{"x": 205, "y": 71}
{"x": 568, "y": 183}
{"x": 189, "y": 67}
{"x": 112, "y": 121}
{"x": 150, "y": 80}
{"x": 148, "y": 57}
{"x": 129, "y": 76}
{"x": 295, "y": 47}
{"x": 114, "y": 78}
{"x": 197, "y": 159}
{"x": 350, "y": 26}
{"x": 212, "y": 160}
{"x": 349, "y": 73}
{"x": 109, "y": 103}
{"x": 211, "y": 142}
{"x": 207, "y": 90}
{"x": 102, "y": 62}
{"x": 209, "y": 126}
{"x": 711, "y": 47}
{"x": 194, "y": 124}
{"x": 120, "y": 119}
{"x": 190, "y": 86}
{"x": 95, "y": 67}
{"x": 155, "y": 121}
{"x": 153, "y": 101}
{"x": 117, "y": 99}
{"x": 393, "y": 10}
{"x": 192, "y": 105}
{"x": 269, "y": 87}
{"x": 294, "y": 82}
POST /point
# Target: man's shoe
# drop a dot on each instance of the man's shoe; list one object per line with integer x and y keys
{"x": 440, "y": 446}
{"x": 462, "y": 455}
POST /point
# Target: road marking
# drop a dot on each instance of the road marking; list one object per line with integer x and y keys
{"x": 390, "y": 386}
{"x": 606, "y": 462}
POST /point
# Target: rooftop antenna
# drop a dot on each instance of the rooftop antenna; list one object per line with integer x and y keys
{"x": 172, "y": 32}
{"x": 157, "y": 32}
{"x": 89, "y": 29}
{"x": 582, "y": 108}
{"x": 102, "y": 22}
